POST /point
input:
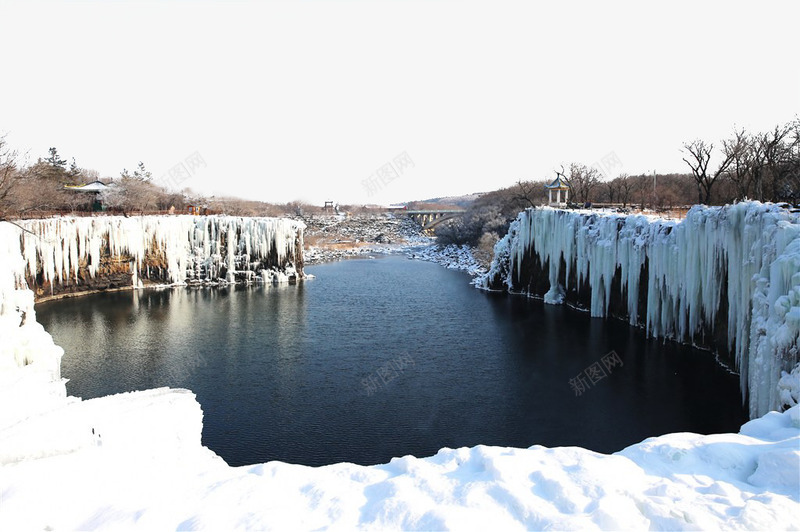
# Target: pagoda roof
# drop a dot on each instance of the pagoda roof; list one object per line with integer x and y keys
{"x": 94, "y": 186}
{"x": 558, "y": 183}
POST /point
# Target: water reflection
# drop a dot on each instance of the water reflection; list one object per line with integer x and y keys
{"x": 280, "y": 371}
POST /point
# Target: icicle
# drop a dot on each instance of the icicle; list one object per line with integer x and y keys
{"x": 750, "y": 251}
{"x": 193, "y": 247}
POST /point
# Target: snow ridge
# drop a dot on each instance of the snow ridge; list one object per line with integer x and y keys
{"x": 749, "y": 251}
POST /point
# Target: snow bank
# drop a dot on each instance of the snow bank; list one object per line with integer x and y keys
{"x": 452, "y": 257}
{"x": 749, "y": 251}
{"x": 154, "y": 424}
{"x": 143, "y": 466}
{"x": 199, "y": 248}
{"x": 30, "y": 363}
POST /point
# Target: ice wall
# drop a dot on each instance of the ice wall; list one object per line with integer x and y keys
{"x": 747, "y": 254}
{"x": 30, "y": 363}
{"x": 172, "y": 249}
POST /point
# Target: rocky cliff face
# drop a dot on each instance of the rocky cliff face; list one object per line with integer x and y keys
{"x": 727, "y": 278}
{"x": 73, "y": 255}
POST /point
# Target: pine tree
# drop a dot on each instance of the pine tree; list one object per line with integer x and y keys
{"x": 141, "y": 173}
{"x": 55, "y": 160}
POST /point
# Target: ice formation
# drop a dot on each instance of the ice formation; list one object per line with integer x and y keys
{"x": 187, "y": 248}
{"x": 748, "y": 253}
{"x": 30, "y": 363}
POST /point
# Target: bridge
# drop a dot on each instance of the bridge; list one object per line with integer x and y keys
{"x": 431, "y": 218}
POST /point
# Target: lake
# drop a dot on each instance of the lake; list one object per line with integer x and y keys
{"x": 384, "y": 357}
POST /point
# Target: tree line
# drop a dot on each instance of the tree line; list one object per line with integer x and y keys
{"x": 746, "y": 165}
{"x": 41, "y": 188}
{"x": 764, "y": 166}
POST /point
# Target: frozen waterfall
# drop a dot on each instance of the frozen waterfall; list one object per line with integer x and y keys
{"x": 673, "y": 278}
{"x": 165, "y": 249}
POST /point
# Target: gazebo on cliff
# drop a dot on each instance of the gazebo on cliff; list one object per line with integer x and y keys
{"x": 94, "y": 188}
{"x": 558, "y": 185}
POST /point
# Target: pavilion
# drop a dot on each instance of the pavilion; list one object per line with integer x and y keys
{"x": 95, "y": 188}
{"x": 558, "y": 185}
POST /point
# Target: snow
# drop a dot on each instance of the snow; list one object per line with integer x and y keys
{"x": 144, "y": 467}
{"x": 789, "y": 387}
{"x": 136, "y": 460}
{"x": 30, "y": 363}
{"x": 452, "y": 257}
{"x": 750, "y": 250}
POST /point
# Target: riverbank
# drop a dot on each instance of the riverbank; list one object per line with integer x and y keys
{"x": 336, "y": 237}
{"x": 333, "y": 237}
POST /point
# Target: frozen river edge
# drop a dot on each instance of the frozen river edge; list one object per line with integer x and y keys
{"x": 136, "y": 460}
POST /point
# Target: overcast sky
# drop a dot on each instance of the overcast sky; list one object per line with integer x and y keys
{"x": 281, "y": 101}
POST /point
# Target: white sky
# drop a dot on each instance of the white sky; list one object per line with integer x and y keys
{"x": 306, "y": 100}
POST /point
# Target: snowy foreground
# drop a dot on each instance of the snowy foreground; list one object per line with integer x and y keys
{"x": 144, "y": 467}
{"x": 136, "y": 461}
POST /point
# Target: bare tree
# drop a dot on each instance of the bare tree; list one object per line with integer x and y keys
{"x": 132, "y": 194}
{"x": 38, "y": 189}
{"x": 740, "y": 150}
{"x": 626, "y": 186}
{"x": 793, "y": 161}
{"x": 612, "y": 190}
{"x": 777, "y": 147}
{"x": 582, "y": 180}
{"x": 698, "y": 157}
{"x": 8, "y": 174}
{"x": 527, "y": 192}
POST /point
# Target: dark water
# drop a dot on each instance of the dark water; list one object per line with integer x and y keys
{"x": 387, "y": 357}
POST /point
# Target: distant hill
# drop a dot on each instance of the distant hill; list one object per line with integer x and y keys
{"x": 460, "y": 201}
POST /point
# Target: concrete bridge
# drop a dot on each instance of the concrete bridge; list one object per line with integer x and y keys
{"x": 431, "y": 218}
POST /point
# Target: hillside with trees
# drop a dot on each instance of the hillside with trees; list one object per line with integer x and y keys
{"x": 48, "y": 187}
{"x": 764, "y": 166}
{"x": 746, "y": 165}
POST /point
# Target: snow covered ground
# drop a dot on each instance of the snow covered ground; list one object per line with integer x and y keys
{"x": 136, "y": 461}
{"x": 452, "y": 257}
{"x": 361, "y": 236}
{"x": 337, "y": 237}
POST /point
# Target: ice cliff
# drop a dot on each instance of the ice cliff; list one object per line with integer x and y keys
{"x": 724, "y": 275}
{"x": 67, "y": 254}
